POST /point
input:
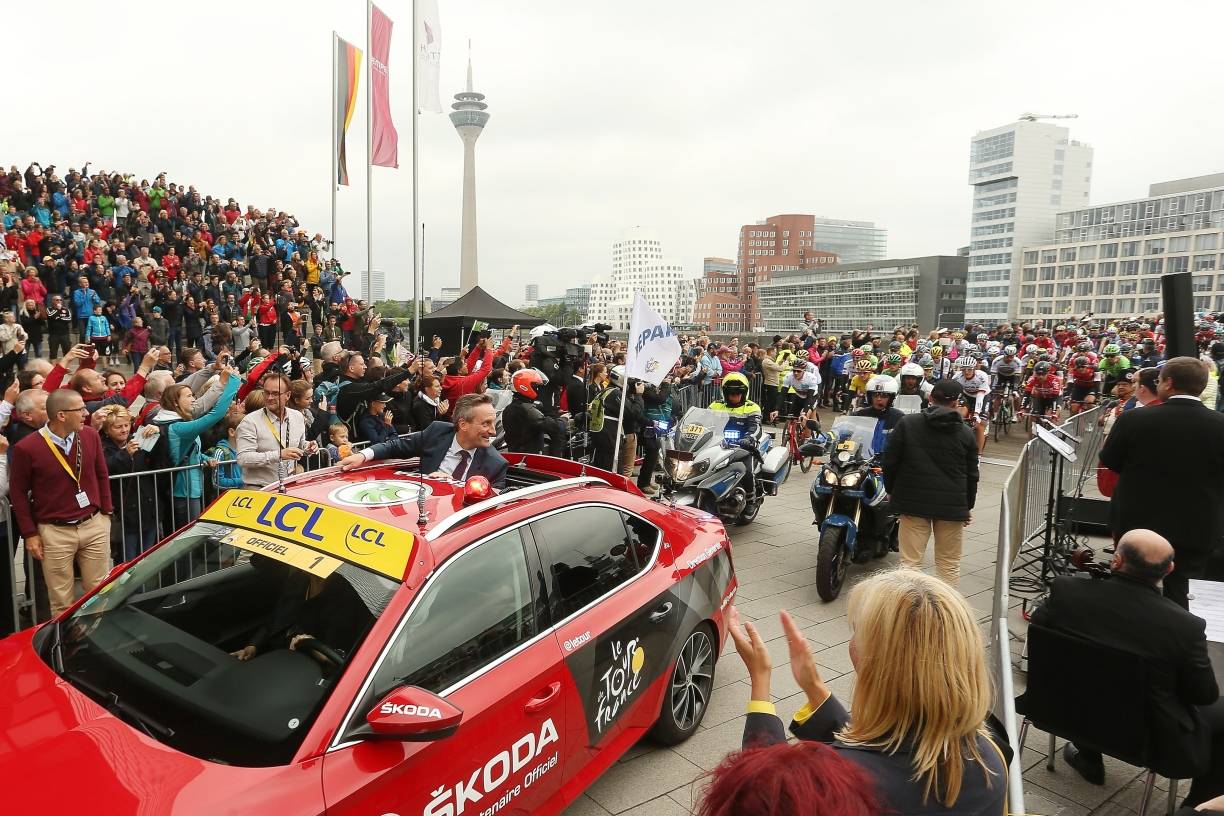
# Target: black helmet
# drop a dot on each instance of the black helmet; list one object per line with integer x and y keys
{"x": 1042, "y": 368}
{"x": 894, "y": 345}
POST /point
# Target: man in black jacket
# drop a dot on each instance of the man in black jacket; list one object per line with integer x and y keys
{"x": 1169, "y": 459}
{"x": 1125, "y": 612}
{"x": 931, "y": 472}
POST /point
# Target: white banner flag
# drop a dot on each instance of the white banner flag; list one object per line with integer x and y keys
{"x": 653, "y": 347}
{"x": 429, "y": 57}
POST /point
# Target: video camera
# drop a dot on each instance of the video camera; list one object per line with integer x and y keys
{"x": 558, "y": 353}
{"x": 391, "y": 329}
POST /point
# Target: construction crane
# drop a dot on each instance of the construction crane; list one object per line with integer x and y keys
{"x": 1033, "y": 117}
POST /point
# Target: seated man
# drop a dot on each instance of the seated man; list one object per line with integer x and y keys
{"x": 1127, "y": 612}
{"x": 448, "y": 451}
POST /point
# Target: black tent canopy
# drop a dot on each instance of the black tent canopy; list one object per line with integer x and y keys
{"x": 453, "y": 323}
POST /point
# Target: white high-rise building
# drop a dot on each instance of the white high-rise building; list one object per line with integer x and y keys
{"x": 1023, "y": 175}
{"x": 532, "y": 293}
{"x": 687, "y": 292}
{"x": 638, "y": 265}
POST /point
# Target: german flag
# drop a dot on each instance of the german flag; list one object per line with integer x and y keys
{"x": 348, "y": 68}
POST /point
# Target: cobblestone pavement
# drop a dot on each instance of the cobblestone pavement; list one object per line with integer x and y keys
{"x": 775, "y": 562}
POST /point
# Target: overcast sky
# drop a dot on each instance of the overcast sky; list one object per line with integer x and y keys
{"x": 688, "y": 117}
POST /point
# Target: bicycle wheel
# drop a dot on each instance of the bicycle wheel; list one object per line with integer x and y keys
{"x": 999, "y": 421}
{"x": 1010, "y": 417}
{"x": 792, "y": 436}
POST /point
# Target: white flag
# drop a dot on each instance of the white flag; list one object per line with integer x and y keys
{"x": 429, "y": 56}
{"x": 653, "y": 348}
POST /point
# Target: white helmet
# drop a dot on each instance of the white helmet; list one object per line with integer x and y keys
{"x": 617, "y": 376}
{"x": 882, "y": 384}
{"x": 911, "y": 370}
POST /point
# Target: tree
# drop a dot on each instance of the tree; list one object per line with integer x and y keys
{"x": 559, "y": 315}
{"x": 396, "y": 308}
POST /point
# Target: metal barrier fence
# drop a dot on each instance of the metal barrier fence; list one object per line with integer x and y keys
{"x": 1031, "y": 490}
{"x": 700, "y": 396}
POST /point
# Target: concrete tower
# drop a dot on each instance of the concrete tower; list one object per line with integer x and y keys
{"x": 469, "y": 118}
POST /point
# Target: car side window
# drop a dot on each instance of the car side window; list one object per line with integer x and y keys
{"x": 476, "y": 609}
{"x": 591, "y": 552}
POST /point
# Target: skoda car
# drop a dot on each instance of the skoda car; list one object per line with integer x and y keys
{"x": 374, "y": 643}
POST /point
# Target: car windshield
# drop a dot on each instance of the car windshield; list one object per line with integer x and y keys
{"x": 191, "y": 643}
{"x": 856, "y": 429}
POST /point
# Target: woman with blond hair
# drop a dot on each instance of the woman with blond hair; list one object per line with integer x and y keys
{"x": 921, "y": 697}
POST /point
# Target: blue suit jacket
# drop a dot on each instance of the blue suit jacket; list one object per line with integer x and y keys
{"x": 432, "y": 444}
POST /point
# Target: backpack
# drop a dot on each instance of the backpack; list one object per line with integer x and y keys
{"x": 595, "y": 412}
{"x": 159, "y": 456}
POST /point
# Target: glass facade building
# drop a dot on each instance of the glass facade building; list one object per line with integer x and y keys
{"x": 1109, "y": 260}
{"x": 851, "y": 241}
{"x": 928, "y": 291}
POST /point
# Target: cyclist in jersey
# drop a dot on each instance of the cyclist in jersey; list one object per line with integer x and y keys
{"x": 1006, "y": 376}
{"x": 1084, "y": 384}
{"x": 1112, "y": 366}
{"x": 1044, "y": 389}
{"x": 976, "y": 385}
{"x": 800, "y": 388}
{"x": 912, "y": 383}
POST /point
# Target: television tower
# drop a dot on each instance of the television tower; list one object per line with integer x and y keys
{"x": 469, "y": 118}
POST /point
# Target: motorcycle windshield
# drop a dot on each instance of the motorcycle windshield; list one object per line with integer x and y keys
{"x": 857, "y": 431}
{"x": 701, "y": 427}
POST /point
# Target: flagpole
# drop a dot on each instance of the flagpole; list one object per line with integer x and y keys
{"x": 620, "y": 425}
{"x": 416, "y": 308}
{"x": 332, "y": 181}
{"x": 418, "y": 240}
{"x": 369, "y": 156}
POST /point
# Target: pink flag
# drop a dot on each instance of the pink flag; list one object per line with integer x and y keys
{"x": 385, "y": 137}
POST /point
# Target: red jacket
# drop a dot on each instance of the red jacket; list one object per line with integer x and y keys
{"x": 267, "y": 314}
{"x": 52, "y": 495}
{"x": 455, "y": 386}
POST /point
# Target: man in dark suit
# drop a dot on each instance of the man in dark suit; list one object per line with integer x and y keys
{"x": 1169, "y": 459}
{"x": 1126, "y": 612}
{"x": 448, "y": 451}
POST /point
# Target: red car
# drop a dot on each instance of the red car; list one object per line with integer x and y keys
{"x": 371, "y": 643}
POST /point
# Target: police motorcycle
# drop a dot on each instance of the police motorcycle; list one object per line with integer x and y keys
{"x": 850, "y": 505}
{"x": 712, "y": 464}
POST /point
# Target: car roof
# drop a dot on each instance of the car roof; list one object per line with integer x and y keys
{"x": 386, "y": 493}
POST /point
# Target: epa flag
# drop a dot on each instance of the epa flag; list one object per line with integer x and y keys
{"x": 653, "y": 347}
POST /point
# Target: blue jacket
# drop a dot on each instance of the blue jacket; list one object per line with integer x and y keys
{"x": 98, "y": 326}
{"x": 83, "y": 301}
{"x": 371, "y": 428}
{"x": 184, "y": 443}
{"x": 228, "y": 472}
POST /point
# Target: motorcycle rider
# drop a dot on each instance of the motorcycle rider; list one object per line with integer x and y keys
{"x": 522, "y": 419}
{"x": 736, "y": 403}
{"x": 881, "y": 391}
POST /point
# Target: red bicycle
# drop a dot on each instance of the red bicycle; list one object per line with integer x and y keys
{"x": 796, "y": 434}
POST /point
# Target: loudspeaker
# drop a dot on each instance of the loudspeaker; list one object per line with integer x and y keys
{"x": 1178, "y": 315}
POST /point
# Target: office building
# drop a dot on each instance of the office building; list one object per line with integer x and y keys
{"x": 1023, "y": 175}
{"x": 578, "y": 299}
{"x": 378, "y": 285}
{"x": 686, "y": 300}
{"x": 850, "y": 241}
{"x": 532, "y": 294}
{"x": 928, "y": 291}
{"x": 638, "y": 265}
{"x": 469, "y": 117}
{"x": 448, "y": 295}
{"x": 550, "y": 301}
{"x": 1109, "y": 259}
{"x": 779, "y": 243}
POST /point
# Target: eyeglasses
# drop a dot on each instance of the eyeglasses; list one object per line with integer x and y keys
{"x": 72, "y": 410}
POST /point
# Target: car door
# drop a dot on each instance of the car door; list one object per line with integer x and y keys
{"x": 616, "y": 625}
{"x": 478, "y": 635}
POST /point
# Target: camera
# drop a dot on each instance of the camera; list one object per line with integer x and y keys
{"x": 391, "y": 329}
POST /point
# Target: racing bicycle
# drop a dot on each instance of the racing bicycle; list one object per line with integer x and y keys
{"x": 1004, "y": 411}
{"x": 795, "y": 437}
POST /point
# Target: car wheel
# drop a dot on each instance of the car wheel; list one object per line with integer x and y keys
{"x": 688, "y": 691}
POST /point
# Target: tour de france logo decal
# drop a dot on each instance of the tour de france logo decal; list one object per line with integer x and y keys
{"x": 620, "y": 682}
{"x": 380, "y": 493}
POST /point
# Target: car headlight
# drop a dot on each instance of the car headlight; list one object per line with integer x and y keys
{"x": 852, "y": 479}
{"x": 829, "y": 477}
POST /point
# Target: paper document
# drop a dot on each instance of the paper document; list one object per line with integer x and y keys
{"x": 1207, "y": 601}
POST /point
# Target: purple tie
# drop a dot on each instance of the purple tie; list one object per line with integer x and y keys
{"x": 461, "y": 469}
